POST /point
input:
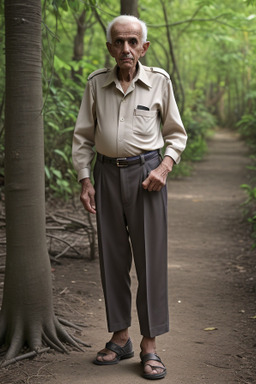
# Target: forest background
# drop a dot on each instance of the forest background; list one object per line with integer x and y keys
{"x": 208, "y": 47}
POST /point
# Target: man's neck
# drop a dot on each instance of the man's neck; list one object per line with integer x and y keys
{"x": 126, "y": 76}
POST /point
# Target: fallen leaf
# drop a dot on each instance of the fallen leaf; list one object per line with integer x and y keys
{"x": 211, "y": 329}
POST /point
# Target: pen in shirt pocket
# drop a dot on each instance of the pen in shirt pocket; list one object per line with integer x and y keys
{"x": 143, "y": 107}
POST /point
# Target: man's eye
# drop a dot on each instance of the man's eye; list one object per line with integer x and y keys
{"x": 133, "y": 41}
{"x": 118, "y": 42}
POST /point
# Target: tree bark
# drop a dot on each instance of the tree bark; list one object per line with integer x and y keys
{"x": 129, "y": 7}
{"x": 79, "y": 43}
{"x": 180, "y": 96}
{"x": 26, "y": 316}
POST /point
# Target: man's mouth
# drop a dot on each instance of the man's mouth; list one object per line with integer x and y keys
{"x": 126, "y": 58}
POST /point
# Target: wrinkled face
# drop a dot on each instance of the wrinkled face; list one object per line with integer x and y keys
{"x": 127, "y": 46}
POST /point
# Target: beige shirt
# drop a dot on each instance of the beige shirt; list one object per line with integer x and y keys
{"x": 114, "y": 123}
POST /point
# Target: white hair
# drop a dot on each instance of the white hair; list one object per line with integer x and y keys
{"x": 124, "y": 19}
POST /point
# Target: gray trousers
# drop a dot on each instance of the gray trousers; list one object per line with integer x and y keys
{"x": 132, "y": 221}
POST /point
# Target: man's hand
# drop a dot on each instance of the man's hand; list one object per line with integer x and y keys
{"x": 87, "y": 195}
{"x": 157, "y": 178}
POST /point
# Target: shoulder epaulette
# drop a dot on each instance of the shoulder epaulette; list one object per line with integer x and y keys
{"x": 97, "y": 72}
{"x": 160, "y": 70}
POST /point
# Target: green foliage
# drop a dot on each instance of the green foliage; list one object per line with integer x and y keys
{"x": 63, "y": 98}
{"x": 251, "y": 191}
{"x": 198, "y": 124}
{"x": 65, "y": 5}
{"x": 250, "y": 204}
{"x": 250, "y": 2}
{"x": 247, "y": 128}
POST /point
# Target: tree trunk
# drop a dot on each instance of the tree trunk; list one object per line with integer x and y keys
{"x": 129, "y": 7}
{"x": 26, "y": 316}
{"x": 79, "y": 44}
{"x": 177, "y": 85}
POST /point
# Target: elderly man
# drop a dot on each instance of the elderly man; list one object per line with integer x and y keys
{"x": 128, "y": 114}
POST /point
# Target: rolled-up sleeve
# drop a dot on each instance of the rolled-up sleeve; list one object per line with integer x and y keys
{"x": 83, "y": 139}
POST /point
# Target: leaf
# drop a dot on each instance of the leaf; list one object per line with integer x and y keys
{"x": 68, "y": 129}
{"x": 53, "y": 125}
{"x": 62, "y": 154}
{"x": 60, "y": 4}
{"x": 211, "y": 329}
{"x": 202, "y": 3}
{"x": 74, "y": 4}
{"x": 47, "y": 172}
{"x": 60, "y": 64}
{"x": 57, "y": 173}
{"x": 250, "y": 2}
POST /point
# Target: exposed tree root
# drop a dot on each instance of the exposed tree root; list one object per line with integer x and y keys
{"x": 69, "y": 324}
{"x": 81, "y": 342}
{"x": 39, "y": 339}
{"x": 24, "y": 356}
{"x": 74, "y": 225}
{"x": 69, "y": 246}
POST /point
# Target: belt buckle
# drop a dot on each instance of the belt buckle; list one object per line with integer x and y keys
{"x": 121, "y": 162}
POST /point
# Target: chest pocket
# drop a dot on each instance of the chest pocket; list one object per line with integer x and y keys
{"x": 144, "y": 122}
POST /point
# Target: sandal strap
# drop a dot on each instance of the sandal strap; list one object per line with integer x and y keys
{"x": 150, "y": 356}
{"x": 119, "y": 350}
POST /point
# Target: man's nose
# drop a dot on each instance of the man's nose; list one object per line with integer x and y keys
{"x": 126, "y": 47}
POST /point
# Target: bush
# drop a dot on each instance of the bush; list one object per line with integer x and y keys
{"x": 247, "y": 129}
{"x": 60, "y": 116}
{"x": 199, "y": 126}
{"x": 62, "y": 101}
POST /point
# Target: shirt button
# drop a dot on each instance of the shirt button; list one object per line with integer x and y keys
{"x": 122, "y": 119}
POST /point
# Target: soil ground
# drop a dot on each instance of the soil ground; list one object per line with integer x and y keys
{"x": 211, "y": 289}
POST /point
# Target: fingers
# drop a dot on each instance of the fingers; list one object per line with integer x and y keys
{"x": 157, "y": 177}
{"x": 87, "y": 196}
{"x": 146, "y": 183}
{"x": 88, "y": 205}
{"x": 153, "y": 184}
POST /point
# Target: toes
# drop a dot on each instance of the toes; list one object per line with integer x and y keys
{"x": 106, "y": 355}
{"x": 153, "y": 369}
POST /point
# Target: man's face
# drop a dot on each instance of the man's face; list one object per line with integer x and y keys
{"x": 127, "y": 46}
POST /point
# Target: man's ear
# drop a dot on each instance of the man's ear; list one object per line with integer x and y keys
{"x": 145, "y": 48}
{"x": 109, "y": 47}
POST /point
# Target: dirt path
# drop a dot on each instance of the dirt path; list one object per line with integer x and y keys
{"x": 211, "y": 285}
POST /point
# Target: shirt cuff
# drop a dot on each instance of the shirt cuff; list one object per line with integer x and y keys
{"x": 173, "y": 154}
{"x": 83, "y": 173}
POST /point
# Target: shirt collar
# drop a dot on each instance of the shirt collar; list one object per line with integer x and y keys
{"x": 141, "y": 75}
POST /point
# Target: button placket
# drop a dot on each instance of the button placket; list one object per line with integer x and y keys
{"x": 121, "y": 124}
